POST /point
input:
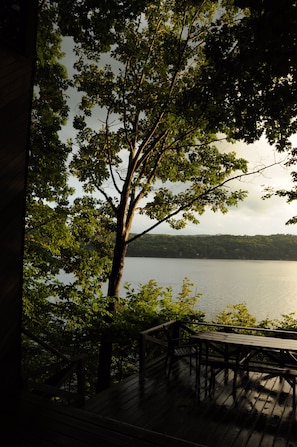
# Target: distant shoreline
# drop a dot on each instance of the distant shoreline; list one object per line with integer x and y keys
{"x": 278, "y": 247}
{"x": 211, "y": 259}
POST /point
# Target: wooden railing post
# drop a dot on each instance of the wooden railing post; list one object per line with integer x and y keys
{"x": 141, "y": 355}
{"x": 149, "y": 341}
{"x": 176, "y": 330}
{"x": 80, "y": 373}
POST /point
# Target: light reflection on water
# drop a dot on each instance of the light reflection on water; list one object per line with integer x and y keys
{"x": 267, "y": 287}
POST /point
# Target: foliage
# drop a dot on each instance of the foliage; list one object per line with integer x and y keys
{"x": 253, "y": 69}
{"x": 262, "y": 49}
{"x": 288, "y": 322}
{"x": 77, "y": 245}
{"x": 141, "y": 309}
{"x": 236, "y": 315}
{"x": 95, "y": 23}
{"x": 47, "y": 169}
{"x": 60, "y": 235}
{"x": 46, "y": 232}
{"x": 153, "y": 301}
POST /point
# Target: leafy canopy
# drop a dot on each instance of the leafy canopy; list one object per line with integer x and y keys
{"x": 137, "y": 146}
{"x": 253, "y": 73}
{"x": 59, "y": 235}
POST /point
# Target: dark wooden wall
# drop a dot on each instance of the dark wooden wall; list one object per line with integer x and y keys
{"x": 17, "y": 57}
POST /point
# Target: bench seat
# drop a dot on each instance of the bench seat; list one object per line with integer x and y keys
{"x": 217, "y": 364}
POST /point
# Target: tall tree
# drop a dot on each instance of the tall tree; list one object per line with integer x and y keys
{"x": 142, "y": 144}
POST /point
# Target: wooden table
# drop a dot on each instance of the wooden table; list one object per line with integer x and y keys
{"x": 238, "y": 352}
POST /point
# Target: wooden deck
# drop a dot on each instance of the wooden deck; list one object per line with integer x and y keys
{"x": 262, "y": 416}
{"x": 158, "y": 412}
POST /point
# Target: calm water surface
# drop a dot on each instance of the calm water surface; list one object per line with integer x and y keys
{"x": 268, "y": 288}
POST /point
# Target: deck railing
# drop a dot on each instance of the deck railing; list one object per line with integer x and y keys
{"x": 153, "y": 342}
{"x": 283, "y": 333}
{"x": 61, "y": 378}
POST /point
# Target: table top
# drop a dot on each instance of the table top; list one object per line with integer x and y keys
{"x": 252, "y": 341}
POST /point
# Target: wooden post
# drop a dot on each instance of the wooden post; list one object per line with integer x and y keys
{"x": 80, "y": 372}
{"x": 141, "y": 356}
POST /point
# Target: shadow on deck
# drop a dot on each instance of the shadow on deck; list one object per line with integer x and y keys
{"x": 262, "y": 415}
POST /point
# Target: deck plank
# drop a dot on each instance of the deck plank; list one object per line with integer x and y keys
{"x": 262, "y": 415}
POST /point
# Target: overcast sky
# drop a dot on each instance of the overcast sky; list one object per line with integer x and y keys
{"x": 253, "y": 215}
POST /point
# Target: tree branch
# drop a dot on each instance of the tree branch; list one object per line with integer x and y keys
{"x": 199, "y": 197}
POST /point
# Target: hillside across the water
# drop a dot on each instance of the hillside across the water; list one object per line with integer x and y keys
{"x": 275, "y": 247}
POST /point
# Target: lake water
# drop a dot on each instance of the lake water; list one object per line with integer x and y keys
{"x": 268, "y": 288}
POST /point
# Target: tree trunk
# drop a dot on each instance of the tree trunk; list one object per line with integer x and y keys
{"x": 114, "y": 284}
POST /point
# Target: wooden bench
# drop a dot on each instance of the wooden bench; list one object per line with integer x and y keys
{"x": 218, "y": 364}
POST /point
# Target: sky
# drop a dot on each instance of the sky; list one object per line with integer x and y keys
{"x": 253, "y": 216}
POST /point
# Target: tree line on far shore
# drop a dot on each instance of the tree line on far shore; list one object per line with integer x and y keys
{"x": 222, "y": 246}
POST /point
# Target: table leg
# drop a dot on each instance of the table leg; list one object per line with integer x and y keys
{"x": 198, "y": 371}
{"x": 206, "y": 369}
{"x": 236, "y": 368}
{"x": 226, "y": 358}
